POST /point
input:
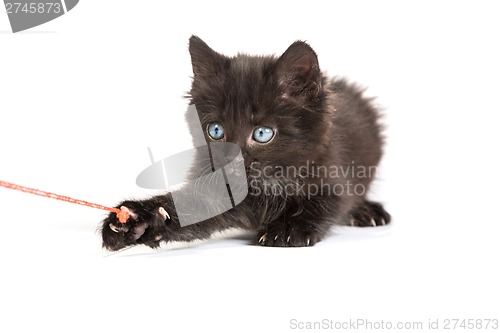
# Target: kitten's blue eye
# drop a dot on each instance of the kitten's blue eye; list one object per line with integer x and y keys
{"x": 263, "y": 134}
{"x": 215, "y": 131}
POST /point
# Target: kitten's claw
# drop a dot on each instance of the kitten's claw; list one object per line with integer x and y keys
{"x": 373, "y": 223}
{"x": 164, "y": 213}
{"x": 263, "y": 238}
{"x": 382, "y": 220}
{"x": 114, "y": 227}
{"x": 118, "y": 227}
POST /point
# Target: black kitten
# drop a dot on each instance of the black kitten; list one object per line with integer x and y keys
{"x": 310, "y": 145}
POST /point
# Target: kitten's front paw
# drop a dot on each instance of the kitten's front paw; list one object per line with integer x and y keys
{"x": 143, "y": 227}
{"x": 287, "y": 236}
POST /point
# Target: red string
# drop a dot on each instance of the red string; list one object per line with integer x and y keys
{"x": 122, "y": 215}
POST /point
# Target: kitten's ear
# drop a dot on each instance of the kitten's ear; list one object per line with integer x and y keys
{"x": 298, "y": 70}
{"x": 203, "y": 58}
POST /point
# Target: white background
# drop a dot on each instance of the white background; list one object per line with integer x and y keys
{"x": 83, "y": 96}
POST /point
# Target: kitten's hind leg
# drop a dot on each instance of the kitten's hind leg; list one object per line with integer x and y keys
{"x": 368, "y": 214}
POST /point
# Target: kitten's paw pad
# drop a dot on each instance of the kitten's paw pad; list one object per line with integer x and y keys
{"x": 369, "y": 214}
{"x": 139, "y": 230}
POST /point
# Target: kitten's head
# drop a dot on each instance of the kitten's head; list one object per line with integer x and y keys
{"x": 274, "y": 108}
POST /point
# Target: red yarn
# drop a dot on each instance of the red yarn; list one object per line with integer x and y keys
{"x": 121, "y": 215}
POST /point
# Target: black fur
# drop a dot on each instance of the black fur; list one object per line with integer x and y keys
{"x": 321, "y": 125}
